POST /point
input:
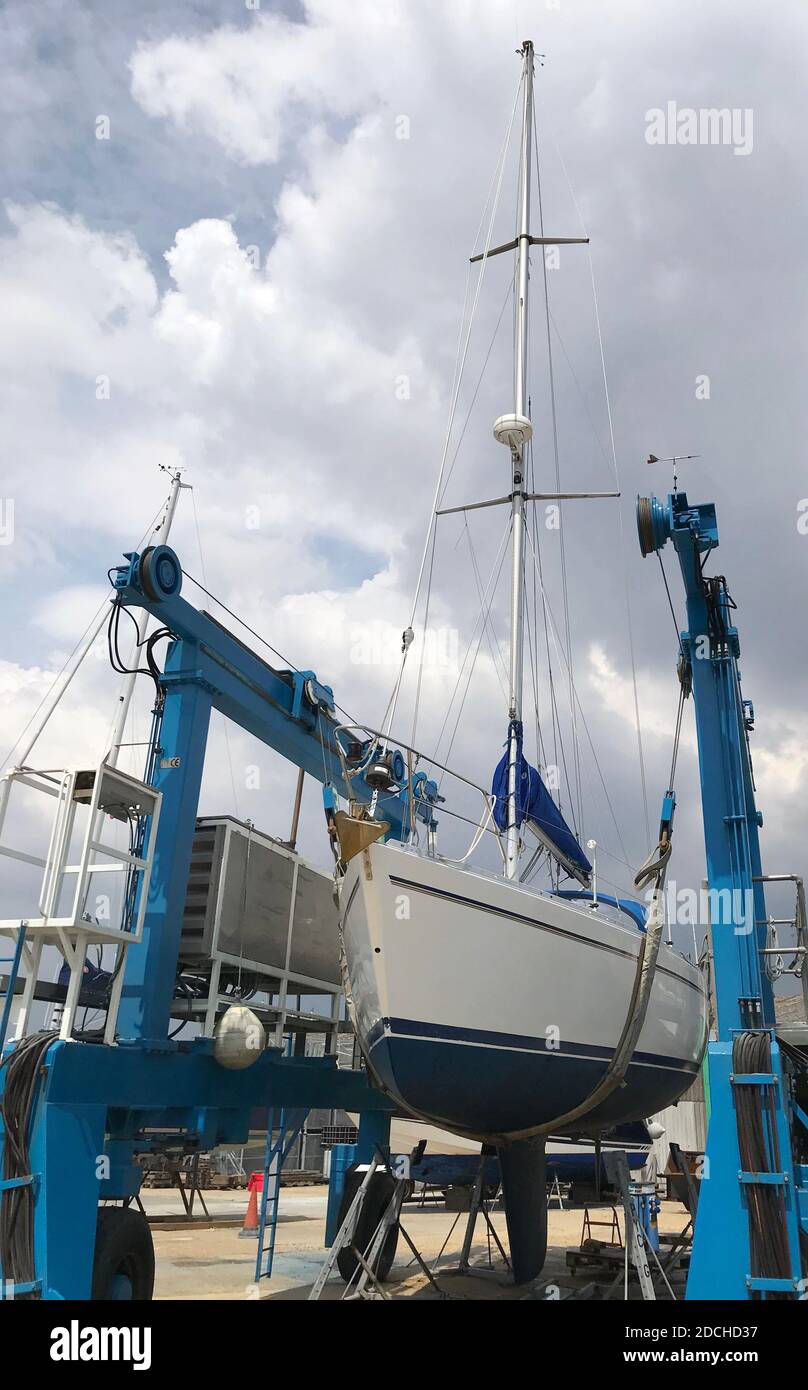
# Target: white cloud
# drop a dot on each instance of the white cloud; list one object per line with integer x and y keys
{"x": 276, "y": 386}
{"x": 781, "y": 758}
{"x": 250, "y": 89}
{"x": 657, "y": 696}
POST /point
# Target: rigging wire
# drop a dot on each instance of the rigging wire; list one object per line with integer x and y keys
{"x": 534, "y": 681}
{"x": 290, "y": 665}
{"x": 419, "y": 682}
{"x": 491, "y": 586}
{"x": 677, "y": 736}
{"x": 223, "y": 719}
{"x": 560, "y": 653}
{"x": 629, "y": 615}
{"x": 431, "y": 528}
{"x": 507, "y": 296}
{"x": 390, "y": 711}
{"x": 497, "y": 659}
{"x": 576, "y": 748}
{"x": 65, "y": 664}
{"x": 536, "y": 590}
{"x": 558, "y": 738}
{"x": 477, "y": 652}
{"x": 676, "y": 627}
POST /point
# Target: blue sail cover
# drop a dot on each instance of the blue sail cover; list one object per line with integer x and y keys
{"x": 534, "y": 803}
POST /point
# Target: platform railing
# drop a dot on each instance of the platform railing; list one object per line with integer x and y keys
{"x": 798, "y": 967}
{"x": 104, "y": 791}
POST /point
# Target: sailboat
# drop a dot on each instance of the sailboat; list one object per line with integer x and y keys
{"x": 489, "y": 1007}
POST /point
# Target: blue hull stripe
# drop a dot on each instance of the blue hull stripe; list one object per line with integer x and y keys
{"x": 480, "y": 1089}
{"x": 480, "y": 1037}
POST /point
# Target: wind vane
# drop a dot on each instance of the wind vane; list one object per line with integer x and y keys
{"x": 674, "y": 459}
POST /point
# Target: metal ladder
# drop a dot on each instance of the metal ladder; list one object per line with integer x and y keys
{"x": 277, "y": 1151}
{"x": 11, "y": 984}
{"x": 556, "y": 1194}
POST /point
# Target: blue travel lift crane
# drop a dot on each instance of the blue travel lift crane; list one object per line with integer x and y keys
{"x": 753, "y": 1198}
{"x": 92, "y": 1107}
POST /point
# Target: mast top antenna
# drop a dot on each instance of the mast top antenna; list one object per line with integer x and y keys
{"x": 674, "y": 459}
{"x": 528, "y": 48}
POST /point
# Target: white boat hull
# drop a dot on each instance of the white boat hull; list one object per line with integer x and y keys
{"x": 488, "y": 1008}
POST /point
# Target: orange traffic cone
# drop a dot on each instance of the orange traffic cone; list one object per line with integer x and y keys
{"x": 254, "y": 1186}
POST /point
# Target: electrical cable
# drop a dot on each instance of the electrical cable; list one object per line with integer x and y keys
{"x": 148, "y": 643}
{"x": 23, "y": 1067}
{"x": 758, "y": 1145}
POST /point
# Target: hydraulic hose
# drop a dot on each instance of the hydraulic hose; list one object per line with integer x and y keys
{"x": 22, "y": 1066}
{"x": 770, "y": 1256}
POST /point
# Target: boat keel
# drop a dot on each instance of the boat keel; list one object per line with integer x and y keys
{"x": 522, "y": 1165}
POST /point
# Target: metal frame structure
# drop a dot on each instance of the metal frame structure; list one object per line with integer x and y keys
{"x": 288, "y": 981}
{"x": 104, "y": 790}
{"x": 728, "y": 1261}
{"x": 96, "y": 1106}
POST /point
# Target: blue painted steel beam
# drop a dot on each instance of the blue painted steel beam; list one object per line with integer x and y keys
{"x": 99, "y": 1106}
{"x": 208, "y": 668}
{"x": 731, "y": 819}
{"x": 93, "y": 1098}
{"x": 151, "y": 964}
{"x": 721, "y": 1262}
{"x": 186, "y": 1078}
{"x": 261, "y": 699}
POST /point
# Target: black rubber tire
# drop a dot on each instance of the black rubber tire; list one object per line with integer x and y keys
{"x": 123, "y": 1267}
{"x": 377, "y": 1197}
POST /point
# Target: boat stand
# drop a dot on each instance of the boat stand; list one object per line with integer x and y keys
{"x": 637, "y": 1245}
{"x": 478, "y": 1205}
{"x": 557, "y": 1192}
{"x": 615, "y": 1240}
{"x": 368, "y": 1287}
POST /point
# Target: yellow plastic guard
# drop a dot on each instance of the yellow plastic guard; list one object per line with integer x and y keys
{"x": 355, "y": 833}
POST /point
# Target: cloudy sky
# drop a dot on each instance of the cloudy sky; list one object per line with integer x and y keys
{"x": 235, "y": 239}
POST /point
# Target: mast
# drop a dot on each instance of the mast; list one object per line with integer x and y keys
{"x": 515, "y": 431}
{"x": 519, "y": 436}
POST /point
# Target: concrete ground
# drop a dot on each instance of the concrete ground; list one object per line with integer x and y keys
{"x": 209, "y": 1259}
